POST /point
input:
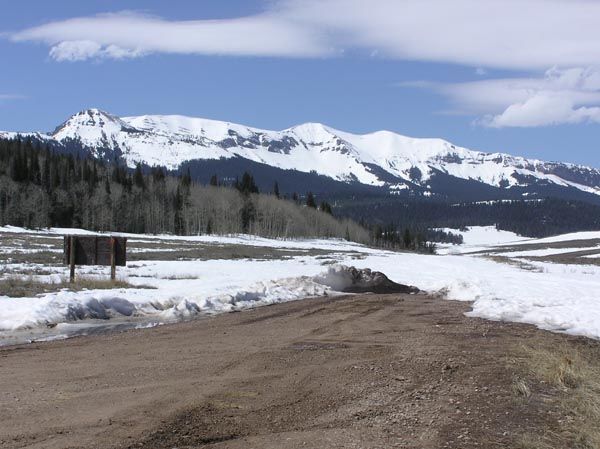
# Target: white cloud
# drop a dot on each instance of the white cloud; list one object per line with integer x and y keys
{"x": 75, "y": 50}
{"x": 524, "y": 35}
{"x": 559, "y": 97}
{"x": 513, "y": 34}
{"x": 542, "y": 110}
{"x": 126, "y": 34}
{"x": 82, "y": 50}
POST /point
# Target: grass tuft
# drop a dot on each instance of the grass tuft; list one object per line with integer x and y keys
{"x": 520, "y": 388}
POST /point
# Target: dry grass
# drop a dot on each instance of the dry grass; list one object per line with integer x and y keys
{"x": 573, "y": 258}
{"x": 179, "y": 277}
{"x": 514, "y": 262}
{"x": 572, "y": 371}
{"x": 17, "y": 287}
{"x": 41, "y": 257}
{"x": 535, "y": 442}
{"x": 520, "y": 388}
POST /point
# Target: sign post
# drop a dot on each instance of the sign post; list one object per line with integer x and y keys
{"x": 95, "y": 250}
{"x": 113, "y": 267}
{"x": 72, "y": 259}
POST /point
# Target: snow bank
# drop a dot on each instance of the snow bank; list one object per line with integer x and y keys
{"x": 552, "y": 296}
{"x": 69, "y": 306}
{"x": 191, "y": 288}
{"x": 555, "y": 296}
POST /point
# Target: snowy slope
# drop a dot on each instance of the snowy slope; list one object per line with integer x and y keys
{"x": 478, "y": 238}
{"x": 381, "y": 158}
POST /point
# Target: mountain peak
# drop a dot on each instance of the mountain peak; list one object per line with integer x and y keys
{"x": 94, "y": 116}
{"x": 89, "y": 125}
{"x": 313, "y": 132}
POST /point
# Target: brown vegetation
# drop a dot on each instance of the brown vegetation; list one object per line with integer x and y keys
{"x": 571, "y": 372}
{"x": 18, "y": 287}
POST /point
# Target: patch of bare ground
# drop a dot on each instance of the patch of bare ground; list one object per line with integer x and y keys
{"x": 573, "y": 258}
{"x": 19, "y": 287}
{"x": 579, "y": 256}
{"x": 213, "y": 251}
{"x": 588, "y": 243}
{"x": 364, "y": 371}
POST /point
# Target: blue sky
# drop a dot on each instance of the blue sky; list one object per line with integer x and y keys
{"x": 478, "y": 74}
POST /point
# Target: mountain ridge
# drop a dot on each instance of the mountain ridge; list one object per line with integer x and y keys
{"x": 382, "y": 159}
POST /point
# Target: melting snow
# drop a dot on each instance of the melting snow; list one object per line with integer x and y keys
{"x": 552, "y": 296}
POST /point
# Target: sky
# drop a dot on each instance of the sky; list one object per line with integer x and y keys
{"x": 516, "y": 76}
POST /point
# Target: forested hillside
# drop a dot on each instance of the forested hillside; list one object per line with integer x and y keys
{"x": 40, "y": 188}
{"x": 532, "y": 218}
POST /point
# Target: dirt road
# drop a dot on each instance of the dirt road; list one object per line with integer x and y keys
{"x": 368, "y": 371}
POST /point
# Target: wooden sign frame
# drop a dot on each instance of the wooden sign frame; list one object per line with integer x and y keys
{"x": 95, "y": 250}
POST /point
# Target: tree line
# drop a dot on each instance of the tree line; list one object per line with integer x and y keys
{"x": 418, "y": 239}
{"x": 42, "y": 188}
{"x": 532, "y": 218}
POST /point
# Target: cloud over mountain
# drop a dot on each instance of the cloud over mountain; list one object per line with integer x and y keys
{"x": 528, "y": 36}
{"x": 513, "y": 34}
{"x": 559, "y": 97}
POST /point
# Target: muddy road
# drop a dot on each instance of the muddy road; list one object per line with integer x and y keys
{"x": 364, "y": 371}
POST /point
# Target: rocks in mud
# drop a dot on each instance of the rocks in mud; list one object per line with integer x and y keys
{"x": 354, "y": 280}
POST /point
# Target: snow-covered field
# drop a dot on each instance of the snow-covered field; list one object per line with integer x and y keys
{"x": 208, "y": 279}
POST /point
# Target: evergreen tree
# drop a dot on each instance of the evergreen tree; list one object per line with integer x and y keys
{"x": 138, "y": 177}
{"x": 247, "y": 185}
{"x": 35, "y": 173}
{"x": 407, "y": 238}
{"x": 158, "y": 175}
{"x": 325, "y": 207}
{"x": 310, "y": 200}
{"x": 46, "y": 181}
{"x": 276, "y": 189}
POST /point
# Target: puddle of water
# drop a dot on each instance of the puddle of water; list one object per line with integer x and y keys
{"x": 76, "y": 329}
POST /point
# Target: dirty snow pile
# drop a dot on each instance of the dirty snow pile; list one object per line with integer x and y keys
{"x": 553, "y": 296}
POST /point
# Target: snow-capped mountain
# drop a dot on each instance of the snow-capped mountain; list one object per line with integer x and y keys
{"x": 382, "y": 159}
